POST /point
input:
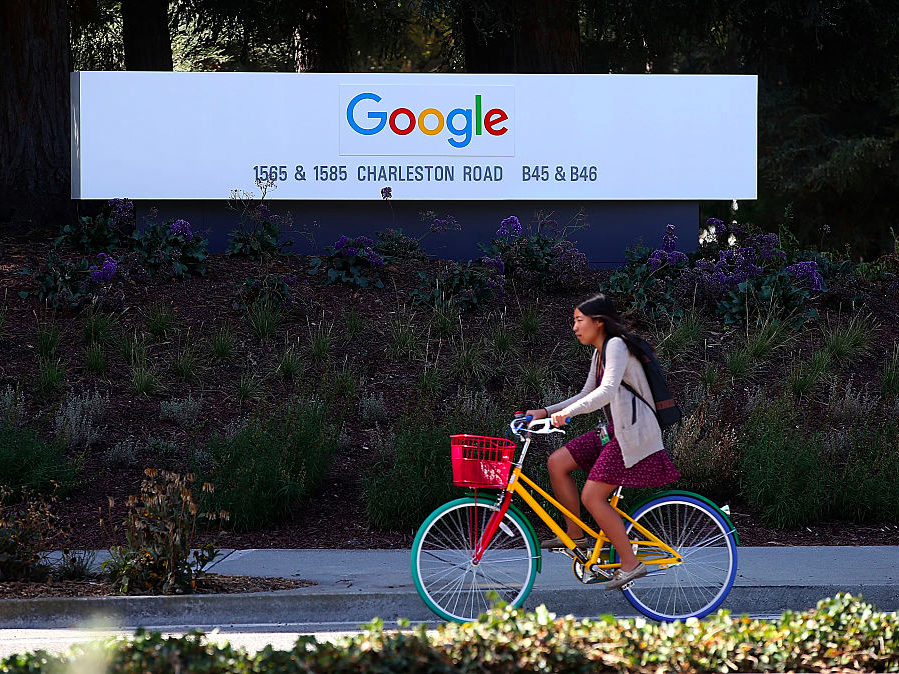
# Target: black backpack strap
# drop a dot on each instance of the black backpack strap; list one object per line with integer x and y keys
{"x": 634, "y": 391}
{"x": 623, "y": 383}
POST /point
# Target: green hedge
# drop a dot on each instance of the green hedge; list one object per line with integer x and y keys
{"x": 841, "y": 633}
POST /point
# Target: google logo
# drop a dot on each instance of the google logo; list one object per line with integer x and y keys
{"x": 462, "y": 123}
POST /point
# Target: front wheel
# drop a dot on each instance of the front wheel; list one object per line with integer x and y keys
{"x": 705, "y": 541}
{"x": 443, "y": 568}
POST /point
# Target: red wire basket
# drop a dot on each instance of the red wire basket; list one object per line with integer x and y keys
{"x": 481, "y": 461}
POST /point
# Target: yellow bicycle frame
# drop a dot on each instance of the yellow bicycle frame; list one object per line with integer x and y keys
{"x": 654, "y": 556}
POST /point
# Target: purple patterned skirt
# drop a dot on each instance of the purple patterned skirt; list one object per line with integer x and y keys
{"x": 605, "y": 464}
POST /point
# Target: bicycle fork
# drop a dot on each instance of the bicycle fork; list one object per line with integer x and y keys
{"x": 483, "y": 541}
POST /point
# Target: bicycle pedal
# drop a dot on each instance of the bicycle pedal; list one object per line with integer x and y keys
{"x": 627, "y": 586}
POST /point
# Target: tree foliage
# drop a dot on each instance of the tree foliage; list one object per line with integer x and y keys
{"x": 828, "y": 91}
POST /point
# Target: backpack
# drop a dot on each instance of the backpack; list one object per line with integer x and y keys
{"x": 666, "y": 410}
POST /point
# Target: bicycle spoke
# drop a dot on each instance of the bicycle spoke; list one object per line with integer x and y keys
{"x": 445, "y": 570}
{"x": 706, "y": 548}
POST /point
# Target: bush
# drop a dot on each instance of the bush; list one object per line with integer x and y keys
{"x": 350, "y": 261}
{"x": 862, "y": 486}
{"x": 760, "y": 295}
{"x": 794, "y": 477}
{"x": 270, "y": 465}
{"x": 75, "y": 419}
{"x": 171, "y": 248}
{"x": 182, "y": 411}
{"x": 105, "y": 231}
{"x": 646, "y": 284}
{"x": 159, "y": 528}
{"x": 29, "y": 463}
{"x": 272, "y": 287}
{"x": 392, "y": 243}
{"x": 544, "y": 256}
{"x": 782, "y": 471}
{"x": 413, "y": 474}
{"x": 259, "y": 236}
{"x": 12, "y": 406}
{"x": 27, "y": 533}
{"x": 705, "y": 452}
{"x": 465, "y": 287}
{"x": 62, "y": 283}
{"x": 841, "y": 633}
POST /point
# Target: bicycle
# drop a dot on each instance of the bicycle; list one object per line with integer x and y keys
{"x": 471, "y": 547}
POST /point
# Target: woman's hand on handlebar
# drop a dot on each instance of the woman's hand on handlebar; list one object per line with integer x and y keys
{"x": 559, "y": 419}
{"x": 536, "y": 414}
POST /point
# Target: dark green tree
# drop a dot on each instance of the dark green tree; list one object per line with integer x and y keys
{"x": 35, "y": 61}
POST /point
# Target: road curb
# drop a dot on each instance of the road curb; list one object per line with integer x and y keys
{"x": 303, "y": 605}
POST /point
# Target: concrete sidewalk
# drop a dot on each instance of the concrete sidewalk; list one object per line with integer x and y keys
{"x": 357, "y": 585}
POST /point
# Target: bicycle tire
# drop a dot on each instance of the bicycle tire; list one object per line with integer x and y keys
{"x": 705, "y": 541}
{"x": 442, "y": 566}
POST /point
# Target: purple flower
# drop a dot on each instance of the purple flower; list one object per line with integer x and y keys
{"x": 122, "y": 210}
{"x": 349, "y": 251}
{"x": 657, "y": 259}
{"x": 444, "y": 224}
{"x": 386, "y": 193}
{"x": 363, "y": 241}
{"x": 373, "y": 258}
{"x": 262, "y": 213}
{"x": 766, "y": 244}
{"x": 182, "y": 227}
{"x": 669, "y": 240}
{"x": 676, "y": 257}
{"x": 341, "y": 242}
{"x": 495, "y": 262}
{"x": 807, "y": 272}
{"x": 512, "y": 225}
{"x": 106, "y": 271}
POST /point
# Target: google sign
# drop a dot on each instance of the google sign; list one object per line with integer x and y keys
{"x": 402, "y": 121}
{"x": 465, "y": 137}
{"x": 449, "y": 121}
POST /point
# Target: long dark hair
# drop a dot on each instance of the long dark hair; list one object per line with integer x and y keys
{"x": 602, "y": 307}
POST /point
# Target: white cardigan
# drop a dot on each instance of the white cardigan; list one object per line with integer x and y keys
{"x": 636, "y": 426}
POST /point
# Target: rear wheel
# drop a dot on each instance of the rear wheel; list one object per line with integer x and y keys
{"x": 443, "y": 568}
{"x": 698, "y": 533}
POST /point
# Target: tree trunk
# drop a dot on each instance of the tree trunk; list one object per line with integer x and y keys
{"x": 548, "y": 37}
{"x": 485, "y": 53}
{"x": 35, "y": 61}
{"x": 542, "y": 36}
{"x": 322, "y": 38}
{"x": 145, "y": 34}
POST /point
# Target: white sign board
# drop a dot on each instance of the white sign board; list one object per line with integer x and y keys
{"x": 152, "y": 135}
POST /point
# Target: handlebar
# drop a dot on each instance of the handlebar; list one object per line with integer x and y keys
{"x": 538, "y": 426}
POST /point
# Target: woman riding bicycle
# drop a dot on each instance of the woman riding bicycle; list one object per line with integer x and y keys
{"x": 632, "y": 457}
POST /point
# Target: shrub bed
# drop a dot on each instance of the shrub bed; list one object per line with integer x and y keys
{"x": 842, "y": 633}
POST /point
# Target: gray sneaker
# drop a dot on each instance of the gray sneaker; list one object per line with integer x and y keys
{"x": 556, "y": 542}
{"x": 624, "y": 577}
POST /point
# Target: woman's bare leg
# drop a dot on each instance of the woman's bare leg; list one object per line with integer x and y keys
{"x": 561, "y": 464}
{"x": 596, "y": 499}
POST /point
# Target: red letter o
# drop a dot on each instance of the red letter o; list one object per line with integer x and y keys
{"x": 402, "y": 111}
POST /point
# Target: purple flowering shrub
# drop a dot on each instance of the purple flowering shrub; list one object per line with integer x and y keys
{"x": 350, "y": 261}
{"x": 543, "y": 256}
{"x": 467, "y": 286}
{"x": 106, "y": 271}
{"x": 732, "y": 267}
{"x": 171, "y": 248}
{"x": 108, "y": 230}
{"x": 74, "y": 283}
